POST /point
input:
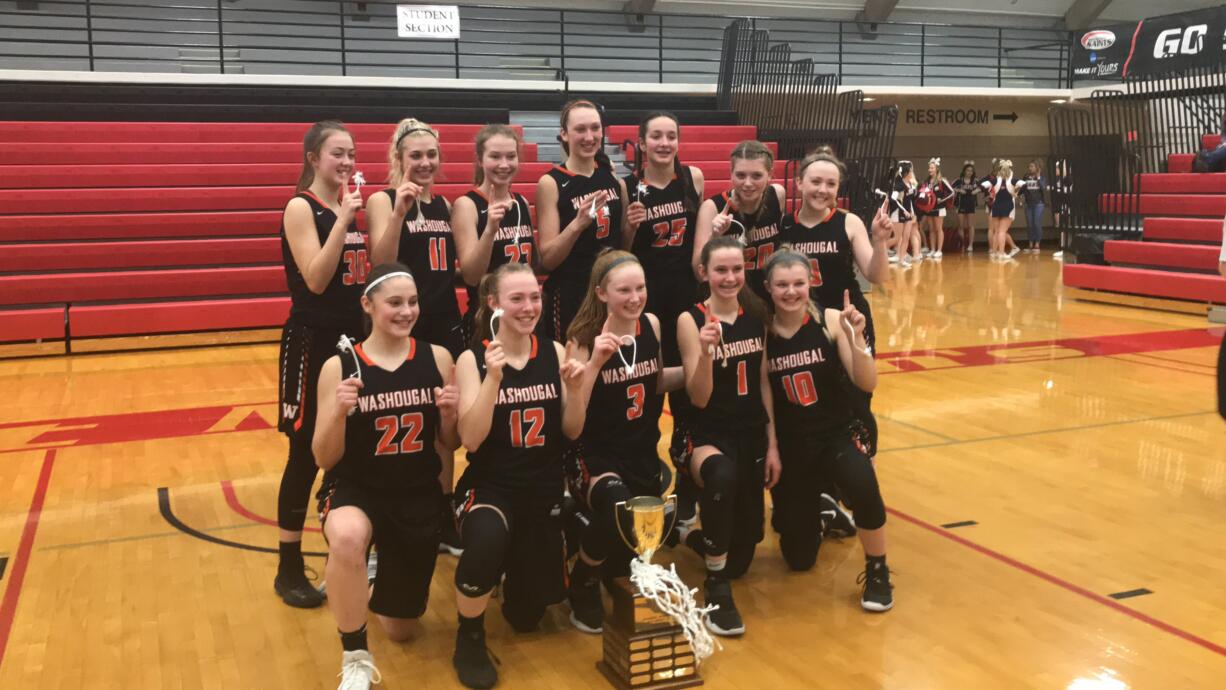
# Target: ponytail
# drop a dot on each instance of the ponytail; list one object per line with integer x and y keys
{"x": 312, "y": 144}
{"x": 487, "y": 288}
{"x": 602, "y": 158}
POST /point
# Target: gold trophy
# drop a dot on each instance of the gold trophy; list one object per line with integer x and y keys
{"x": 644, "y": 647}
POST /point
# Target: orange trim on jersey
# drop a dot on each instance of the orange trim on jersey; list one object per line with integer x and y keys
{"x": 805, "y": 322}
{"x": 412, "y": 350}
{"x": 728, "y": 200}
{"x": 829, "y": 215}
{"x": 362, "y": 354}
{"x": 321, "y": 202}
{"x": 535, "y": 347}
{"x": 638, "y": 327}
{"x": 478, "y": 192}
{"x": 568, "y": 172}
{"x": 702, "y": 306}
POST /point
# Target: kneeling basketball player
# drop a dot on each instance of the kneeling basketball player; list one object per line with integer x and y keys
{"x": 813, "y": 357}
{"x": 521, "y": 403}
{"x": 386, "y": 421}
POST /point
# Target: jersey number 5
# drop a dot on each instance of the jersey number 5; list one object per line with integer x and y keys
{"x": 534, "y": 419}
{"x": 602, "y": 222}
{"x": 411, "y": 423}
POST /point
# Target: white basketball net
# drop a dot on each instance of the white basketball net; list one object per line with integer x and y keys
{"x": 666, "y": 590}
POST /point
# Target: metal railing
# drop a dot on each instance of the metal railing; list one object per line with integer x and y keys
{"x": 328, "y": 37}
{"x": 1123, "y": 133}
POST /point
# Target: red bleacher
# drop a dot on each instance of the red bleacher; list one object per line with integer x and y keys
{"x": 127, "y": 228}
{"x": 1177, "y": 257}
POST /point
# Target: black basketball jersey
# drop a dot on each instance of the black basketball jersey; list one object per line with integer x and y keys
{"x": 664, "y": 243}
{"x": 339, "y": 305}
{"x": 967, "y": 194}
{"x": 806, "y": 379}
{"x": 389, "y": 439}
{"x": 427, "y": 247}
{"x": 760, "y": 233}
{"x": 523, "y": 451}
{"x": 513, "y": 243}
{"x": 605, "y": 230}
{"x": 736, "y": 376}
{"x": 829, "y": 251}
{"x": 623, "y": 414}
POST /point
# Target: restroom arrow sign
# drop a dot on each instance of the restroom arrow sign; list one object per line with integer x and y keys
{"x": 1011, "y": 117}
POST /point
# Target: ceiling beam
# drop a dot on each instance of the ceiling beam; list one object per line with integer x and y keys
{"x": 876, "y": 10}
{"x": 1082, "y": 13}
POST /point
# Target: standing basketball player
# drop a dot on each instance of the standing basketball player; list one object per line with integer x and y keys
{"x": 579, "y": 207}
{"x": 751, "y": 210}
{"x": 410, "y": 224}
{"x": 732, "y": 443}
{"x": 836, "y": 244}
{"x": 811, "y": 354}
{"x": 521, "y": 402}
{"x": 967, "y": 189}
{"x": 616, "y": 457}
{"x": 492, "y": 224}
{"x": 386, "y": 426}
{"x": 325, "y": 267}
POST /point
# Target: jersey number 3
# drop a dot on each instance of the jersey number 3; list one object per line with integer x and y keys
{"x": 526, "y": 427}
{"x": 411, "y": 422}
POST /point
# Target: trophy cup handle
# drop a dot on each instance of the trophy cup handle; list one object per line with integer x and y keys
{"x": 618, "y": 509}
{"x": 671, "y": 499}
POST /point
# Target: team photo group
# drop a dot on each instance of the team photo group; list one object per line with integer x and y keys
{"x": 749, "y": 320}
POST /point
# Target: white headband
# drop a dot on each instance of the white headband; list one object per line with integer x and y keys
{"x": 371, "y": 285}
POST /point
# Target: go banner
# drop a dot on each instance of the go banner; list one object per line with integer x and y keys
{"x": 1151, "y": 46}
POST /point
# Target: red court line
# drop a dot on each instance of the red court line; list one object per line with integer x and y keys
{"x": 21, "y": 560}
{"x": 227, "y": 488}
{"x": 1063, "y": 584}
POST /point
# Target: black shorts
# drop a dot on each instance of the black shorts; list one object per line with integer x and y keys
{"x": 446, "y": 331}
{"x": 582, "y": 466}
{"x": 405, "y": 531}
{"x": 967, "y": 206}
{"x": 746, "y": 448}
{"x": 304, "y": 349}
{"x": 535, "y": 565}
{"x": 558, "y": 308}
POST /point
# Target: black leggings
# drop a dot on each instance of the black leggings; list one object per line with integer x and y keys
{"x": 809, "y": 465}
{"x": 296, "y": 481}
{"x": 601, "y": 539}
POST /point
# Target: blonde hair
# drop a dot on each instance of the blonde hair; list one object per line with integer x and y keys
{"x": 592, "y": 313}
{"x": 483, "y": 136}
{"x": 489, "y": 286}
{"x": 937, "y": 163}
{"x": 408, "y": 127}
{"x": 1005, "y": 164}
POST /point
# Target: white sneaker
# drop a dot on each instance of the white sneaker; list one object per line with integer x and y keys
{"x": 358, "y": 671}
{"x": 918, "y": 258}
{"x": 893, "y": 254}
{"x": 1058, "y": 256}
{"x": 905, "y": 261}
{"x": 893, "y": 258}
{"x": 925, "y": 251}
{"x": 938, "y": 255}
{"x": 1015, "y": 252}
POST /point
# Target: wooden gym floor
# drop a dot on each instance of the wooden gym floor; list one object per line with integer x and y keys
{"x": 1055, "y": 472}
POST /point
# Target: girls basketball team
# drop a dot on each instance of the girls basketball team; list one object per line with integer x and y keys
{"x": 748, "y": 318}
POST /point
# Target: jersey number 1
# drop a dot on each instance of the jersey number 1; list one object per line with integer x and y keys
{"x": 534, "y": 419}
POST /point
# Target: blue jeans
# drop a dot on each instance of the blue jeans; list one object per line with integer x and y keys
{"x": 1034, "y": 222}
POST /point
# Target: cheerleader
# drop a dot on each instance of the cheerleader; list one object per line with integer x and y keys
{"x": 616, "y": 457}
{"x": 386, "y": 426}
{"x": 492, "y": 225}
{"x": 1033, "y": 187}
{"x": 324, "y": 256}
{"x": 750, "y": 210}
{"x": 579, "y": 207}
{"x": 836, "y": 244}
{"x": 902, "y": 213}
{"x": 934, "y": 220}
{"x": 811, "y": 354}
{"x": 410, "y": 224}
{"x": 1001, "y": 188}
{"x": 661, "y": 221}
{"x": 521, "y": 403}
{"x": 966, "y": 187}
{"x": 732, "y": 452}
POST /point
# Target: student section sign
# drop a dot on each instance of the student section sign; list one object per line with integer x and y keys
{"x": 1151, "y": 46}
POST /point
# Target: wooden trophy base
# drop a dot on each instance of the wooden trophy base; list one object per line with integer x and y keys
{"x": 643, "y": 648}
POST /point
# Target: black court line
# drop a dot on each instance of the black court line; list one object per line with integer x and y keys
{"x": 4, "y": 564}
{"x": 1130, "y": 594}
{"x": 964, "y": 523}
{"x": 169, "y": 516}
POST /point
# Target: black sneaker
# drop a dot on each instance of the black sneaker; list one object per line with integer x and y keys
{"x": 836, "y": 522}
{"x": 725, "y": 620}
{"x": 586, "y": 608}
{"x": 878, "y": 594}
{"x": 297, "y": 591}
{"x": 472, "y": 661}
{"x": 450, "y": 541}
